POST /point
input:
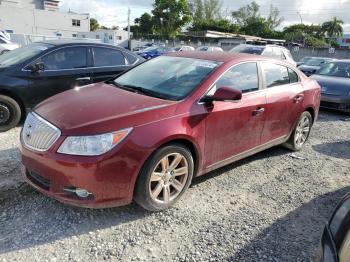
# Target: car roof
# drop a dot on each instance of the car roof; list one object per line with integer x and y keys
{"x": 76, "y": 42}
{"x": 218, "y": 56}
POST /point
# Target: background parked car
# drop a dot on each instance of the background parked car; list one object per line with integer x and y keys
{"x": 334, "y": 79}
{"x": 335, "y": 242}
{"x": 311, "y": 65}
{"x": 35, "y": 72}
{"x": 303, "y": 60}
{"x": 154, "y": 51}
{"x": 5, "y": 44}
{"x": 184, "y": 48}
{"x": 141, "y": 48}
{"x": 210, "y": 49}
{"x": 274, "y": 51}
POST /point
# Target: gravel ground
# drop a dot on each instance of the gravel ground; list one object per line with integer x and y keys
{"x": 269, "y": 207}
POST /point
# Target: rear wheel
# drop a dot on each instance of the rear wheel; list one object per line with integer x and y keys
{"x": 10, "y": 113}
{"x": 165, "y": 177}
{"x": 301, "y": 132}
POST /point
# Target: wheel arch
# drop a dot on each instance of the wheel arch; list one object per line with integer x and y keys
{"x": 17, "y": 99}
{"x": 311, "y": 110}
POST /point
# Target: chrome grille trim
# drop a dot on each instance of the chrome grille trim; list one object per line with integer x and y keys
{"x": 38, "y": 134}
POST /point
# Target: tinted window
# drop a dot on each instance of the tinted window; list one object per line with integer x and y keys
{"x": 248, "y": 49}
{"x": 340, "y": 69}
{"x": 108, "y": 57}
{"x": 66, "y": 58}
{"x": 275, "y": 74}
{"x": 243, "y": 77}
{"x": 131, "y": 58}
{"x": 293, "y": 77}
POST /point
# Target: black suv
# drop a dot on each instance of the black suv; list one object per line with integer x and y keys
{"x": 30, "y": 74}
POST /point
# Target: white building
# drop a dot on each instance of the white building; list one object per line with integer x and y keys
{"x": 109, "y": 36}
{"x": 41, "y": 17}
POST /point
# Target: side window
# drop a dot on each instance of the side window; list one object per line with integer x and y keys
{"x": 293, "y": 77}
{"x": 279, "y": 53}
{"x": 243, "y": 77}
{"x": 131, "y": 58}
{"x": 108, "y": 57}
{"x": 66, "y": 58}
{"x": 275, "y": 75}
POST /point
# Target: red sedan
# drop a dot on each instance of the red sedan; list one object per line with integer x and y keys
{"x": 147, "y": 133}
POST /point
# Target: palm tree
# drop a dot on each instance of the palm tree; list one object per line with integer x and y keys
{"x": 333, "y": 28}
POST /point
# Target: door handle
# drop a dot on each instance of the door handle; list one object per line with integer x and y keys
{"x": 258, "y": 111}
{"x": 83, "y": 79}
{"x": 298, "y": 98}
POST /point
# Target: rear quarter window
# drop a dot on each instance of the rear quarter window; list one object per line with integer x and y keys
{"x": 275, "y": 75}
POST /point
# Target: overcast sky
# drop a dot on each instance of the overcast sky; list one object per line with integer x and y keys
{"x": 114, "y": 12}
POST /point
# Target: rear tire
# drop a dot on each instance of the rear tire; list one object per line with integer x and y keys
{"x": 164, "y": 178}
{"x": 301, "y": 132}
{"x": 10, "y": 113}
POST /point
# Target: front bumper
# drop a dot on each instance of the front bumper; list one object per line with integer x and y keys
{"x": 335, "y": 102}
{"x": 109, "y": 179}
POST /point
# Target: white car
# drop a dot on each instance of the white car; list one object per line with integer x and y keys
{"x": 184, "y": 48}
{"x": 210, "y": 49}
{"x": 5, "y": 44}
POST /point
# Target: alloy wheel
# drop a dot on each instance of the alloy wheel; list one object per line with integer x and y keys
{"x": 168, "y": 178}
{"x": 302, "y": 131}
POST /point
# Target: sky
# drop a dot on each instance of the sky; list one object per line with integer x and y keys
{"x": 114, "y": 12}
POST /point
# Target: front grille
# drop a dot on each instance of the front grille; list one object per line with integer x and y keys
{"x": 38, "y": 180}
{"x": 38, "y": 134}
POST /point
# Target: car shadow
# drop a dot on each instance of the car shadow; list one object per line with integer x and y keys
{"x": 271, "y": 152}
{"x": 339, "y": 149}
{"x": 285, "y": 239}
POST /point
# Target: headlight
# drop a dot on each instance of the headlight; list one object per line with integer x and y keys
{"x": 92, "y": 145}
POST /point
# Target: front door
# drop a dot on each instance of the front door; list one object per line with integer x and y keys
{"x": 235, "y": 127}
{"x": 64, "y": 69}
{"x": 284, "y": 94}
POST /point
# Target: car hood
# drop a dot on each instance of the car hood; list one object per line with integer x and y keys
{"x": 101, "y": 108}
{"x": 333, "y": 85}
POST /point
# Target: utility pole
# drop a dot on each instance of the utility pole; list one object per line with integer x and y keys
{"x": 129, "y": 40}
{"x": 301, "y": 18}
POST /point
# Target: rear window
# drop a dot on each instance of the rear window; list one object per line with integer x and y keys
{"x": 246, "y": 49}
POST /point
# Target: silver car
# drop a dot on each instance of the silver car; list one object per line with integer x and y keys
{"x": 6, "y": 45}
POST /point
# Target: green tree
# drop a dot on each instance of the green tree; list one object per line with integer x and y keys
{"x": 333, "y": 28}
{"x": 94, "y": 24}
{"x": 144, "y": 23}
{"x": 246, "y": 14}
{"x": 170, "y": 16}
{"x": 198, "y": 13}
{"x": 258, "y": 26}
{"x": 221, "y": 25}
{"x": 274, "y": 19}
{"x": 207, "y": 9}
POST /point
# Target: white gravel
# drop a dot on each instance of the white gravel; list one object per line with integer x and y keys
{"x": 269, "y": 207}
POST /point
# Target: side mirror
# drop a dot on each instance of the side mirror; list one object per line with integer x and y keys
{"x": 38, "y": 67}
{"x": 224, "y": 94}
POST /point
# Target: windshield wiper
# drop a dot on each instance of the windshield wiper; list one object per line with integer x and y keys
{"x": 145, "y": 91}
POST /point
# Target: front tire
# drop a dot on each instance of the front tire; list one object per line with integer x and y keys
{"x": 10, "y": 113}
{"x": 164, "y": 178}
{"x": 301, "y": 132}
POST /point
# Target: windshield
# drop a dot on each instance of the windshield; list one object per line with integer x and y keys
{"x": 22, "y": 54}
{"x": 248, "y": 49}
{"x": 335, "y": 69}
{"x": 171, "y": 78}
{"x": 315, "y": 61}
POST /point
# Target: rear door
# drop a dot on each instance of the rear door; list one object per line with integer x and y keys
{"x": 64, "y": 69}
{"x": 233, "y": 127}
{"x": 284, "y": 94}
{"x": 108, "y": 63}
